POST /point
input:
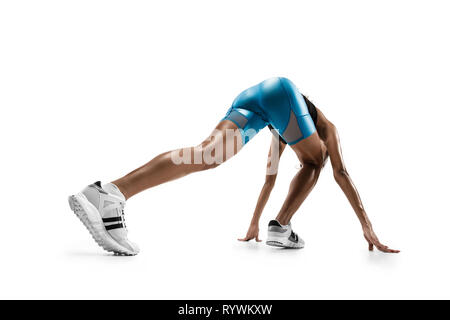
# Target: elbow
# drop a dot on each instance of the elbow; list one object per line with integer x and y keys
{"x": 340, "y": 174}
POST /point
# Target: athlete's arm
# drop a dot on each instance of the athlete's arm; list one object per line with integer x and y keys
{"x": 330, "y": 134}
{"x": 276, "y": 150}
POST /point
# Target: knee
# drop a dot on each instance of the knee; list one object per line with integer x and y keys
{"x": 314, "y": 168}
{"x": 205, "y": 166}
{"x": 314, "y": 165}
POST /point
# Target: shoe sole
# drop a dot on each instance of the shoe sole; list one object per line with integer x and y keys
{"x": 92, "y": 220}
{"x": 282, "y": 242}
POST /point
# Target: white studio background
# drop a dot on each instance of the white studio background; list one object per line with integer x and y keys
{"x": 90, "y": 90}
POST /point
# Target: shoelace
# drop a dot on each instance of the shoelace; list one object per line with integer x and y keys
{"x": 122, "y": 216}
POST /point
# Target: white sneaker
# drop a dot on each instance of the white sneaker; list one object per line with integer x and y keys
{"x": 100, "y": 208}
{"x": 283, "y": 236}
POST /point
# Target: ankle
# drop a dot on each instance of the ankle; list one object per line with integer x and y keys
{"x": 121, "y": 188}
{"x": 283, "y": 221}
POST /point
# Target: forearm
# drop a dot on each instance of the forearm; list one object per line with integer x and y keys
{"x": 346, "y": 184}
{"x": 262, "y": 201}
{"x": 275, "y": 152}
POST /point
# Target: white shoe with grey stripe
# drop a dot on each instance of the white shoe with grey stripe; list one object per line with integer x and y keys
{"x": 283, "y": 236}
{"x": 101, "y": 209}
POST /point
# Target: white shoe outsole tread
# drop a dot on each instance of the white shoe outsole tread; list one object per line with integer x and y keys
{"x": 98, "y": 233}
{"x": 282, "y": 242}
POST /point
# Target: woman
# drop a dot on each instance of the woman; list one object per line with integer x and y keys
{"x": 293, "y": 120}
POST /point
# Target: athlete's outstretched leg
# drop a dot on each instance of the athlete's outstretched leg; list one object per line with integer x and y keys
{"x": 101, "y": 206}
{"x": 221, "y": 145}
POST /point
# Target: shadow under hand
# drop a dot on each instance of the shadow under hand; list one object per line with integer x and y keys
{"x": 382, "y": 259}
{"x": 250, "y": 245}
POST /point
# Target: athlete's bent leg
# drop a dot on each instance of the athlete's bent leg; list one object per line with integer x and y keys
{"x": 221, "y": 145}
{"x": 301, "y": 186}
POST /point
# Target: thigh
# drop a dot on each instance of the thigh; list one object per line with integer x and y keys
{"x": 222, "y": 144}
{"x": 249, "y": 123}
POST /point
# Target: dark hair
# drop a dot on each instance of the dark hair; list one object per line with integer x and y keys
{"x": 311, "y": 109}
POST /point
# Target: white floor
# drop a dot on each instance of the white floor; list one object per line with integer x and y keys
{"x": 175, "y": 265}
{"x": 190, "y": 251}
{"x": 90, "y": 90}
